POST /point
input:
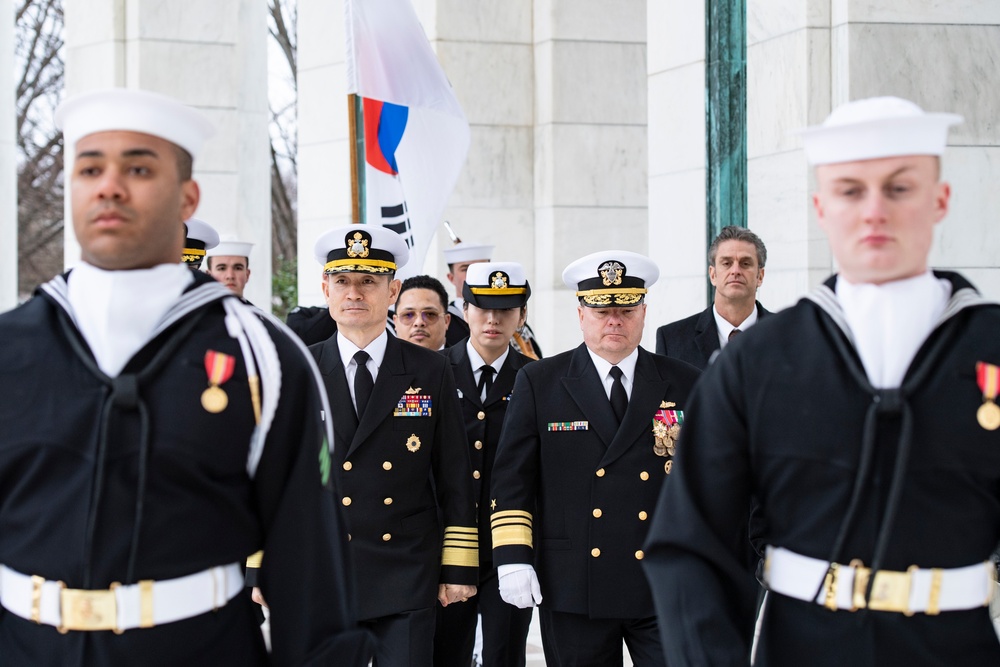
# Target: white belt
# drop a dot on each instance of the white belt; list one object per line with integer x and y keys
{"x": 928, "y": 591}
{"x": 118, "y": 608}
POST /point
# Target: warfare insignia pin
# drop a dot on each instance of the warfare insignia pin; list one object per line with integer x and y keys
{"x": 667, "y": 404}
{"x": 611, "y": 273}
{"x": 412, "y": 443}
{"x": 411, "y": 390}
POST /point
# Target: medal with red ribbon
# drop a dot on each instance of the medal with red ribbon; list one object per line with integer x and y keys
{"x": 219, "y": 368}
{"x": 988, "y": 378}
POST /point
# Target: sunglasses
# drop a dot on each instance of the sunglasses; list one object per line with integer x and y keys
{"x": 410, "y": 316}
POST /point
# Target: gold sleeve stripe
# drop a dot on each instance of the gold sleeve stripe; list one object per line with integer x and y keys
{"x": 504, "y": 536}
{"x": 461, "y": 529}
{"x": 510, "y": 514}
{"x": 460, "y": 556}
{"x": 254, "y": 560}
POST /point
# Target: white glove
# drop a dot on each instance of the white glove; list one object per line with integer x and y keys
{"x": 519, "y": 585}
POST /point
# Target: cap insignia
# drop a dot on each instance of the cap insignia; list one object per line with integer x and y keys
{"x": 611, "y": 273}
{"x": 357, "y": 246}
{"x": 499, "y": 280}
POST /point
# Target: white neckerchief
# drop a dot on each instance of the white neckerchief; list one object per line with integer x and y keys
{"x": 603, "y": 367}
{"x": 891, "y": 321}
{"x": 376, "y": 354}
{"x": 725, "y": 328}
{"x": 477, "y": 362}
{"x": 117, "y": 311}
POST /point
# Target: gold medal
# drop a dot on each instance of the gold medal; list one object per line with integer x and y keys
{"x": 988, "y": 415}
{"x": 214, "y": 399}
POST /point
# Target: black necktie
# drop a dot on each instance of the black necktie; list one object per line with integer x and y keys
{"x": 363, "y": 382}
{"x": 734, "y": 333}
{"x": 619, "y": 399}
{"x": 485, "y": 381}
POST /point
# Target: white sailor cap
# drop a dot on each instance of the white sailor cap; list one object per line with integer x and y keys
{"x": 467, "y": 251}
{"x": 611, "y": 278}
{"x": 877, "y": 127}
{"x": 496, "y": 285}
{"x": 228, "y": 248}
{"x": 135, "y": 111}
{"x": 200, "y": 238}
{"x": 361, "y": 249}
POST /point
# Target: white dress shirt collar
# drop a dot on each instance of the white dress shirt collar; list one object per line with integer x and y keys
{"x": 725, "y": 328}
{"x": 603, "y": 367}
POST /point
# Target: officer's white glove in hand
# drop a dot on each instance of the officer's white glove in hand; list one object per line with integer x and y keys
{"x": 519, "y": 585}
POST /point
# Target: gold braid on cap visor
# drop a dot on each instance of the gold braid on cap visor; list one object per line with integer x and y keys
{"x": 497, "y": 291}
{"x": 359, "y": 266}
{"x": 626, "y": 296}
{"x": 192, "y": 255}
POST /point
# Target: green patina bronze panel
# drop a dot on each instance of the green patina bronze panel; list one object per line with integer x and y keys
{"x": 725, "y": 116}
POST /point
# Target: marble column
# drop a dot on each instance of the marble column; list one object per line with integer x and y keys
{"x": 591, "y": 157}
{"x": 677, "y": 195}
{"x": 8, "y": 163}
{"x": 212, "y": 56}
{"x": 324, "y": 163}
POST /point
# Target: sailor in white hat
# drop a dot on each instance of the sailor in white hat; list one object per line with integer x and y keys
{"x": 400, "y": 459}
{"x": 143, "y": 425}
{"x": 459, "y": 257}
{"x": 864, "y": 420}
{"x": 229, "y": 263}
{"x": 587, "y": 444}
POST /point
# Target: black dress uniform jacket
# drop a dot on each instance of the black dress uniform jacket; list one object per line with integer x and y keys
{"x": 585, "y": 497}
{"x": 694, "y": 339}
{"x": 71, "y": 491}
{"x": 394, "y": 474}
{"x": 782, "y": 415}
{"x": 454, "y": 636}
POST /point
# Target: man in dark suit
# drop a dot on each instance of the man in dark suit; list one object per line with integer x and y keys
{"x": 484, "y": 365}
{"x": 401, "y": 465}
{"x": 585, "y": 449}
{"x": 736, "y": 261}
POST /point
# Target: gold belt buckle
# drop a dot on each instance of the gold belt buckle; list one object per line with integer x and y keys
{"x": 89, "y": 610}
{"x": 891, "y": 591}
{"x": 861, "y": 576}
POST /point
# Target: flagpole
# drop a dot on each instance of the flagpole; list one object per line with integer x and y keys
{"x": 357, "y": 144}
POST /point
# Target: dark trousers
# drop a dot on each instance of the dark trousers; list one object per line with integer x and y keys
{"x": 403, "y": 640}
{"x": 575, "y": 640}
{"x": 505, "y": 628}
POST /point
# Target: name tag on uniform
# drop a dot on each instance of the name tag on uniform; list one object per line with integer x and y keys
{"x": 569, "y": 426}
{"x": 413, "y": 405}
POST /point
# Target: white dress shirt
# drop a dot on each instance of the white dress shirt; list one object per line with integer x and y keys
{"x": 725, "y": 328}
{"x": 477, "y": 364}
{"x": 627, "y": 365}
{"x": 376, "y": 354}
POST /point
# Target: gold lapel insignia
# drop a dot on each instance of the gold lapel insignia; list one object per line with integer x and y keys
{"x": 412, "y": 391}
{"x": 412, "y": 443}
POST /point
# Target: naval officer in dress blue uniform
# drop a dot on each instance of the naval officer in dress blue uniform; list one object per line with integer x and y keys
{"x": 401, "y": 461}
{"x": 485, "y": 365}
{"x": 588, "y": 443}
